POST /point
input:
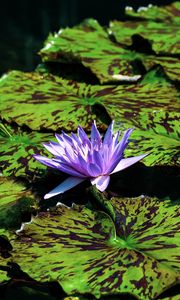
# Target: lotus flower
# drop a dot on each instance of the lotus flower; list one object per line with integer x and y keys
{"x": 84, "y": 158}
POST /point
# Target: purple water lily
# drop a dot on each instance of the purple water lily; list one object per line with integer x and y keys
{"x": 83, "y": 158}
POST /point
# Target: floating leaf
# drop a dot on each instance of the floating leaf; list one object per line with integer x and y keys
{"x": 168, "y": 14}
{"x": 87, "y": 253}
{"x": 77, "y": 105}
{"x": 16, "y": 200}
{"x": 17, "y": 148}
{"x": 48, "y": 103}
{"x": 159, "y": 37}
{"x": 109, "y": 61}
{"x": 152, "y": 108}
{"x": 89, "y": 44}
{"x": 156, "y": 133}
{"x": 3, "y": 274}
{"x": 171, "y": 65}
{"x": 176, "y": 297}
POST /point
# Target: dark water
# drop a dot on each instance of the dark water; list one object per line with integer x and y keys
{"x": 25, "y": 24}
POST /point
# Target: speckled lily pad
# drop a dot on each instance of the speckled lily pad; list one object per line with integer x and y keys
{"x": 16, "y": 150}
{"x": 159, "y": 37}
{"x": 168, "y": 14}
{"x": 48, "y": 102}
{"x": 89, "y": 44}
{"x": 87, "y": 253}
{"x": 15, "y": 201}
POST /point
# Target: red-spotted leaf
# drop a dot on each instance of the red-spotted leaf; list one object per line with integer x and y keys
{"x": 88, "y": 253}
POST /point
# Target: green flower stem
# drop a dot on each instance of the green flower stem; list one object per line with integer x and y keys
{"x": 105, "y": 204}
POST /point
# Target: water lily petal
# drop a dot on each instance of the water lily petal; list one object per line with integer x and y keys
{"x": 109, "y": 134}
{"x": 98, "y": 160}
{"x": 66, "y": 185}
{"x": 66, "y": 137}
{"x": 68, "y": 169}
{"x": 127, "y": 162}
{"x": 95, "y": 136}
{"x": 93, "y": 170}
{"x": 47, "y": 161}
{"x": 54, "y": 148}
{"x": 123, "y": 143}
{"x": 83, "y": 164}
{"x": 83, "y": 136}
{"x": 57, "y": 163}
{"x": 101, "y": 182}
{"x": 115, "y": 156}
{"x": 59, "y": 139}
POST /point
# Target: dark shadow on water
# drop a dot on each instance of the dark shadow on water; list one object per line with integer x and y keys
{"x": 160, "y": 182}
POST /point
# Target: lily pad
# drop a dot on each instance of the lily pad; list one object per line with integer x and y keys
{"x": 176, "y": 297}
{"x": 74, "y": 105}
{"x": 3, "y": 274}
{"x": 152, "y": 108}
{"x": 16, "y": 200}
{"x": 87, "y": 253}
{"x": 16, "y": 150}
{"x": 89, "y": 44}
{"x": 168, "y": 13}
{"x": 171, "y": 65}
{"x": 48, "y": 102}
{"x": 159, "y": 37}
{"x": 156, "y": 133}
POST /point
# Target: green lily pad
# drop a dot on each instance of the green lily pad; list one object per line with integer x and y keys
{"x": 161, "y": 38}
{"x": 81, "y": 99}
{"x": 152, "y": 108}
{"x": 15, "y": 201}
{"x": 3, "y": 274}
{"x": 168, "y": 13}
{"x": 176, "y": 297}
{"x": 171, "y": 65}
{"x": 162, "y": 141}
{"x": 89, "y": 44}
{"x": 87, "y": 253}
{"x": 48, "y": 103}
{"x": 16, "y": 150}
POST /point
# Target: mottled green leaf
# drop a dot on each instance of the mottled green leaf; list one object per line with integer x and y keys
{"x": 17, "y": 148}
{"x": 171, "y": 65}
{"x": 176, "y": 297}
{"x": 161, "y": 38}
{"x": 168, "y": 14}
{"x": 87, "y": 253}
{"x": 156, "y": 133}
{"x": 48, "y": 102}
{"x": 152, "y": 108}
{"x": 15, "y": 201}
{"x": 3, "y": 274}
{"x": 81, "y": 99}
{"x": 89, "y": 44}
